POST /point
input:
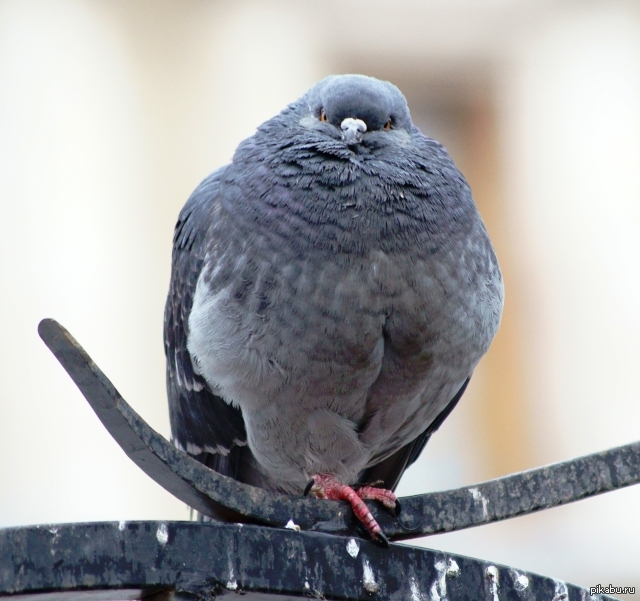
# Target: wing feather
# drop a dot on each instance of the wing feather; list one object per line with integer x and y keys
{"x": 201, "y": 422}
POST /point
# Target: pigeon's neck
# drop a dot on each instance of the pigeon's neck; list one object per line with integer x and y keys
{"x": 321, "y": 194}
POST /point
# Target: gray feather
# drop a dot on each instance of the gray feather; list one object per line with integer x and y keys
{"x": 344, "y": 292}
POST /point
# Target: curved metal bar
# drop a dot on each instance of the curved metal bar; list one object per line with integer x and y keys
{"x": 520, "y": 494}
{"x": 189, "y": 480}
{"x": 422, "y": 515}
{"x": 108, "y": 561}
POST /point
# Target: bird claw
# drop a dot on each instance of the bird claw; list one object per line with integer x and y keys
{"x": 381, "y": 539}
{"x": 308, "y": 487}
{"x": 384, "y": 496}
{"x": 397, "y": 509}
{"x": 326, "y": 486}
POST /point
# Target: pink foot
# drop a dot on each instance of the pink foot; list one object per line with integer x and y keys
{"x": 373, "y": 493}
{"x": 326, "y": 486}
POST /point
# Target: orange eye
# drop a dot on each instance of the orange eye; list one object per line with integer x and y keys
{"x": 387, "y": 125}
{"x": 323, "y": 116}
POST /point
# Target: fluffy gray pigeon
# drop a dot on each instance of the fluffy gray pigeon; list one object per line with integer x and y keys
{"x": 332, "y": 290}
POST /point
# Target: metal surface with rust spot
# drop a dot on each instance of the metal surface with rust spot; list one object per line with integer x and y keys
{"x": 111, "y": 561}
{"x": 204, "y": 489}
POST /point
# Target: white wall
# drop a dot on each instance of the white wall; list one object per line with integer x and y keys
{"x": 571, "y": 133}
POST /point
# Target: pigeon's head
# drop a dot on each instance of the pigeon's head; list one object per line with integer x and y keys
{"x": 357, "y": 109}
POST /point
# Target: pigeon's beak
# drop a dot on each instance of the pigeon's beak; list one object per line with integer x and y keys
{"x": 352, "y": 130}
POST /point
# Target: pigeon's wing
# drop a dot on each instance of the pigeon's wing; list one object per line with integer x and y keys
{"x": 391, "y": 469}
{"x": 202, "y": 423}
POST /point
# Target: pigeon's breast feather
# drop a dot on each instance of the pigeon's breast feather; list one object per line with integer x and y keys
{"x": 265, "y": 320}
{"x": 375, "y": 343}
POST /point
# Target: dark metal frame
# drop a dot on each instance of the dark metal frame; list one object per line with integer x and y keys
{"x": 305, "y": 562}
{"x": 189, "y": 560}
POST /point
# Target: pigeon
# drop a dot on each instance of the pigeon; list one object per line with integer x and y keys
{"x": 332, "y": 290}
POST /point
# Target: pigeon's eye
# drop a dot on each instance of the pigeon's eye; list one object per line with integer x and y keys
{"x": 323, "y": 115}
{"x": 387, "y": 125}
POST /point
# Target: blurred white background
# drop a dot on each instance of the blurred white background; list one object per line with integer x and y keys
{"x": 112, "y": 111}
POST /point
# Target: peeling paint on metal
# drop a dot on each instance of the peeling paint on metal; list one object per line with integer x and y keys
{"x": 493, "y": 575}
{"x": 562, "y": 594}
{"x": 403, "y": 573}
{"x": 353, "y": 547}
{"x": 444, "y": 567}
{"x": 415, "y": 590}
{"x": 520, "y": 581}
{"x": 368, "y": 579}
{"x": 162, "y": 534}
{"x": 453, "y": 569}
{"x": 478, "y": 496}
{"x": 438, "y": 588}
{"x": 232, "y": 583}
{"x": 56, "y": 536}
{"x": 121, "y": 525}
